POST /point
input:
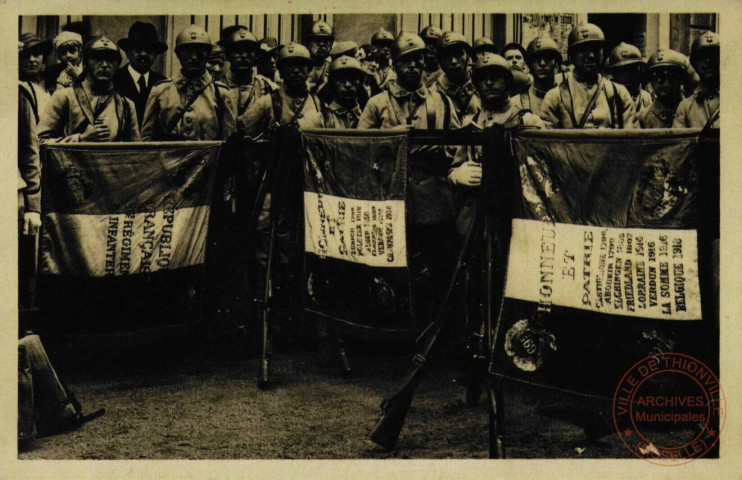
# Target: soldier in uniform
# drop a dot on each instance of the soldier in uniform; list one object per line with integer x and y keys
{"x": 454, "y": 53}
{"x": 481, "y": 46}
{"x": 432, "y": 72}
{"x": 241, "y": 48}
{"x": 408, "y": 102}
{"x": 702, "y": 108}
{"x": 543, "y": 60}
{"x": 267, "y": 55}
{"x": 191, "y": 106}
{"x": 346, "y": 80}
{"x": 667, "y": 72}
{"x": 492, "y": 77}
{"x": 384, "y": 75}
{"x": 292, "y": 102}
{"x": 319, "y": 43}
{"x": 627, "y": 68}
{"x": 92, "y": 110}
{"x": 585, "y": 99}
{"x": 215, "y": 63}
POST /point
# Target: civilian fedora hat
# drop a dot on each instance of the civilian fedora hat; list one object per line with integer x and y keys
{"x": 30, "y": 42}
{"x": 142, "y": 34}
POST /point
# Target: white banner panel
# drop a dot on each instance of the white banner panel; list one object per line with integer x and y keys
{"x": 371, "y": 232}
{"x": 638, "y": 272}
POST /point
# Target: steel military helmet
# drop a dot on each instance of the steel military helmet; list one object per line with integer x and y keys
{"x": 624, "y": 54}
{"x": 431, "y": 33}
{"x": 484, "y": 44}
{"x": 453, "y": 39}
{"x": 705, "y": 40}
{"x": 382, "y": 38}
{"x": 193, "y": 35}
{"x": 348, "y": 47}
{"x": 585, "y": 33}
{"x": 407, "y": 43}
{"x": 101, "y": 45}
{"x": 294, "y": 51}
{"x": 669, "y": 59}
{"x": 346, "y": 63}
{"x": 321, "y": 29}
{"x": 494, "y": 62}
{"x": 241, "y": 35}
{"x": 543, "y": 45}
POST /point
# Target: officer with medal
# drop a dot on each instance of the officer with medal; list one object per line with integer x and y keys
{"x": 454, "y": 54}
{"x": 191, "y": 106}
{"x": 668, "y": 71}
{"x": 543, "y": 57}
{"x": 627, "y": 68}
{"x": 346, "y": 83}
{"x": 586, "y": 99}
{"x": 430, "y": 35}
{"x": 702, "y": 108}
{"x": 319, "y": 44}
{"x": 241, "y": 48}
{"x": 92, "y": 110}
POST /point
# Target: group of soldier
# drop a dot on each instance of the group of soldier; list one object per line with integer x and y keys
{"x": 434, "y": 80}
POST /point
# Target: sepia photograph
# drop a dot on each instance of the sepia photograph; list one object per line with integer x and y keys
{"x": 371, "y": 236}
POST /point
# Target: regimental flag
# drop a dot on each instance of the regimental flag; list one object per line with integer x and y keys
{"x": 126, "y": 209}
{"x": 603, "y": 265}
{"x": 354, "y": 230}
{"x": 125, "y": 229}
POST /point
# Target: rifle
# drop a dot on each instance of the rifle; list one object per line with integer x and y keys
{"x": 284, "y": 181}
{"x": 394, "y": 410}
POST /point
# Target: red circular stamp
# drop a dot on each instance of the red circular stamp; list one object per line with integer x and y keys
{"x": 669, "y": 409}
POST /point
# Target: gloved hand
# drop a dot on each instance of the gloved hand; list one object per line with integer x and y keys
{"x": 469, "y": 174}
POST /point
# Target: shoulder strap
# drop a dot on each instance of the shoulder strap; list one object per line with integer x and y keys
{"x": 276, "y": 105}
{"x": 177, "y": 118}
{"x": 122, "y": 113}
{"x": 525, "y": 98}
{"x": 564, "y": 89}
{"x": 219, "y": 106}
{"x": 430, "y": 110}
{"x": 616, "y": 103}
{"x": 591, "y": 104}
{"x": 31, "y": 96}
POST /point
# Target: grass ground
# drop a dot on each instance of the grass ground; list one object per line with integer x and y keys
{"x": 165, "y": 405}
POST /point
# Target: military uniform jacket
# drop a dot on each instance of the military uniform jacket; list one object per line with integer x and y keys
{"x": 696, "y": 110}
{"x": 642, "y": 101}
{"x": 73, "y": 109}
{"x": 189, "y": 109}
{"x": 384, "y": 77}
{"x": 565, "y": 104}
{"x": 511, "y": 116}
{"x": 318, "y": 76}
{"x": 29, "y": 166}
{"x": 429, "y": 78}
{"x": 658, "y": 115}
{"x": 246, "y": 95}
{"x": 337, "y": 116}
{"x": 531, "y": 100}
{"x": 422, "y": 109}
{"x": 306, "y": 110}
{"x": 464, "y": 97}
